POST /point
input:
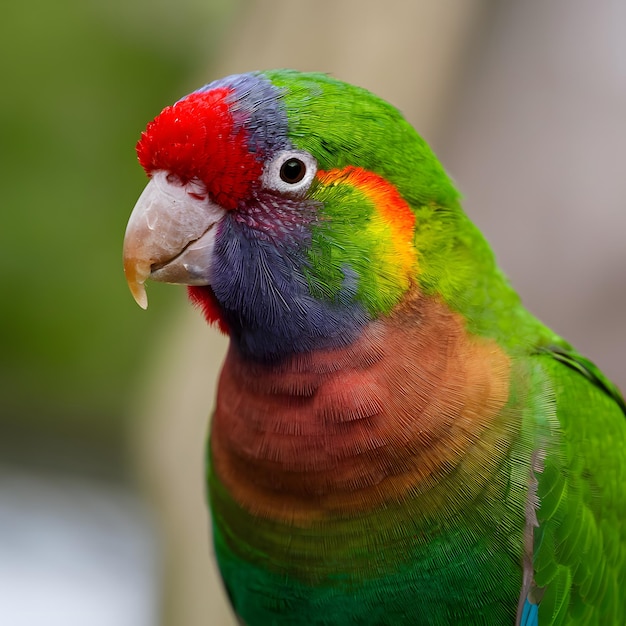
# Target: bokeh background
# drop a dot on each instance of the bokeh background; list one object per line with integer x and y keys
{"x": 103, "y": 407}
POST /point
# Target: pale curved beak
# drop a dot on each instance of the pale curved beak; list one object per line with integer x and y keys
{"x": 170, "y": 235}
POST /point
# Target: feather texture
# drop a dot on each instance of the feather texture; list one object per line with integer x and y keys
{"x": 396, "y": 439}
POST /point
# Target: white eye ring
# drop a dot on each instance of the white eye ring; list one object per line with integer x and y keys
{"x": 290, "y": 172}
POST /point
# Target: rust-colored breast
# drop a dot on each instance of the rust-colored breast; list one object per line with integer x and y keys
{"x": 349, "y": 429}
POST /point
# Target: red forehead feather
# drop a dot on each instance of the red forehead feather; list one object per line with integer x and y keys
{"x": 197, "y": 138}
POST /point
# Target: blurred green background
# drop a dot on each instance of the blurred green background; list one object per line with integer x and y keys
{"x": 79, "y": 546}
{"x": 79, "y": 82}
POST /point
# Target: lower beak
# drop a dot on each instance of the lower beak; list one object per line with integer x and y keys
{"x": 170, "y": 235}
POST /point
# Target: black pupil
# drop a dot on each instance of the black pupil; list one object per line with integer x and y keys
{"x": 292, "y": 171}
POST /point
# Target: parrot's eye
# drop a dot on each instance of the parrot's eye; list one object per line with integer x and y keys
{"x": 290, "y": 172}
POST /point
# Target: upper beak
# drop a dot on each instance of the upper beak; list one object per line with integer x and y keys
{"x": 170, "y": 235}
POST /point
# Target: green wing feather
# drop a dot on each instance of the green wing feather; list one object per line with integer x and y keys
{"x": 580, "y": 543}
{"x": 589, "y": 370}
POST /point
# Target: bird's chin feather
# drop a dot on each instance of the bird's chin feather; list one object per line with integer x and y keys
{"x": 204, "y": 298}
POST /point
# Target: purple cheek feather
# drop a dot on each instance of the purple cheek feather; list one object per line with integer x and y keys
{"x": 257, "y": 272}
{"x": 258, "y": 278}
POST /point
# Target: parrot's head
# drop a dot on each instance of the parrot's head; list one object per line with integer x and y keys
{"x": 287, "y": 202}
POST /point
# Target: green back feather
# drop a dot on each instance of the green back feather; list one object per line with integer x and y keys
{"x": 580, "y": 544}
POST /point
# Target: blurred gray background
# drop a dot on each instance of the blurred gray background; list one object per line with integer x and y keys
{"x": 104, "y": 407}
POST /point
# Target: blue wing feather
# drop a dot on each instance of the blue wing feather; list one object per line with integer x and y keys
{"x": 530, "y": 614}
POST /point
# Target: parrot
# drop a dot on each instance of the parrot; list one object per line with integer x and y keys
{"x": 396, "y": 439}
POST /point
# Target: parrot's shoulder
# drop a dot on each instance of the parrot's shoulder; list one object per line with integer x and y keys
{"x": 569, "y": 357}
{"x": 579, "y": 541}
